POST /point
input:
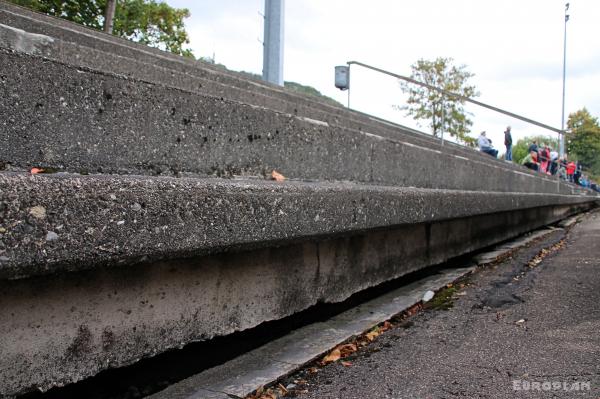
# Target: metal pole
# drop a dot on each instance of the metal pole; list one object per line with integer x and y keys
{"x": 348, "y": 86}
{"x": 456, "y": 95}
{"x": 348, "y": 97}
{"x": 561, "y": 144}
{"x": 443, "y": 119}
{"x": 109, "y": 15}
{"x": 273, "y": 41}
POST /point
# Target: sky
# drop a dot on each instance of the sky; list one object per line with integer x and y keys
{"x": 514, "y": 48}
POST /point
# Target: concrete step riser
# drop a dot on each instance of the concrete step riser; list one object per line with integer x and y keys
{"x": 63, "y": 328}
{"x": 74, "y": 46}
{"x": 55, "y": 224}
{"x": 83, "y": 121}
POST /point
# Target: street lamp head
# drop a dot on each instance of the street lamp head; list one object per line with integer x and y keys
{"x": 566, "y": 6}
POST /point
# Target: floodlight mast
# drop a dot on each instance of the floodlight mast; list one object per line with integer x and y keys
{"x": 273, "y": 41}
{"x": 561, "y": 144}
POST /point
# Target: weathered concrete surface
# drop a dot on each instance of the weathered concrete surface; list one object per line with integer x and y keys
{"x": 55, "y": 223}
{"x": 61, "y": 328}
{"x": 86, "y": 48}
{"x": 478, "y": 347}
{"x": 97, "y": 271}
{"x": 137, "y": 127}
{"x": 276, "y": 359}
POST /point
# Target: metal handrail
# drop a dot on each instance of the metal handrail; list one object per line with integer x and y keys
{"x": 456, "y": 95}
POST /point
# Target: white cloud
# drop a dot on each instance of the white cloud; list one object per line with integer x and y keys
{"x": 513, "y": 47}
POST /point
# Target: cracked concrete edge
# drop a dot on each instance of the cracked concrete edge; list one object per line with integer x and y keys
{"x": 24, "y": 42}
{"x": 567, "y": 223}
{"x": 93, "y": 216}
{"x": 505, "y": 248}
{"x": 273, "y": 361}
{"x": 269, "y": 363}
{"x": 502, "y": 249}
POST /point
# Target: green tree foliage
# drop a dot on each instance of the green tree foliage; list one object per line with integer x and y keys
{"x": 440, "y": 110}
{"x": 151, "y": 22}
{"x": 309, "y": 90}
{"x": 293, "y": 86}
{"x": 583, "y": 143}
{"x": 520, "y": 148}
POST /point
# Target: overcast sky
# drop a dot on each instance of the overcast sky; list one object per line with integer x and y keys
{"x": 514, "y": 48}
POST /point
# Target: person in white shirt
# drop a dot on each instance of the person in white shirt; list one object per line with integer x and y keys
{"x": 485, "y": 145}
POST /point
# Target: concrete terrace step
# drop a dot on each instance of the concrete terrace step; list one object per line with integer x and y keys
{"x": 84, "y": 47}
{"x": 99, "y": 271}
{"x": 79, "y": 120}
{"x": 62, "y": 222}
{"x": 160, "y": 229}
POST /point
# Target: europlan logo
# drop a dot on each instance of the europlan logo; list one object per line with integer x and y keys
{"x": 563, "y": 386}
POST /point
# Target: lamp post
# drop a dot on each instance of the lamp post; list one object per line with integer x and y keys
{"x": 562, "y": 135}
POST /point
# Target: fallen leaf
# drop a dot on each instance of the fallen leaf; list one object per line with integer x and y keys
{"x": 386, "y": 326}
{"x": 332, "y": 357}
{"x": 313, "y": 370}
{"x": 277, "y": 176}
{"x": 346, "y": 364}
{"x": 35, "y": 171}
{"x": 372, "y": 335}
{"x": 347, "y": 349}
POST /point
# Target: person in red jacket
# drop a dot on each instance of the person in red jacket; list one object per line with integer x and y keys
{"x": 544, "y": 158}
{"x": 571, "y": 170}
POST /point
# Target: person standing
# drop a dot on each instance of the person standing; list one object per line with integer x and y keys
{"x": 544, "y": 158}
{"x": 553, "y": 161}
{"x": 533, "y": 146}
{"x": 508, "y": 144}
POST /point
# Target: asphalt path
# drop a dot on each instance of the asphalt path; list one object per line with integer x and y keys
{"x": 521, "y": 328}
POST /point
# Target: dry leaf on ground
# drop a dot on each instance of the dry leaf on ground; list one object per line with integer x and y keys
{"x": 347, "y": 349}
{"x": 385, "y": 326}
{"x": 372, "y": 335}
{"x": 277, "y": 176}
{"x": 334, "y": 356}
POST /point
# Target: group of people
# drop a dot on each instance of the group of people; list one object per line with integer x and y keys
{"x": 541, "y": 158}
{"x": 544, "y": 159}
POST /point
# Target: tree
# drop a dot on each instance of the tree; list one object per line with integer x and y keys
{"x": 442, "y": 111}
{"x": 296, "y": 87}
{"x": 146, "y": 21}
{"x": 520, "y": 148}
{"x": 583, "y": 141}
{"x": 109, "y": 15}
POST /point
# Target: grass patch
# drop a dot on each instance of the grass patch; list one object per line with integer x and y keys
{"x": 444, "y": 298}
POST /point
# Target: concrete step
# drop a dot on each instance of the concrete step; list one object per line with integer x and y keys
{"x": 97, "y": 272}
{"x": 277, "y": 359}
{"x": 83, "y": 47}
{"x": 63, "y": 222}
{"x": 88, "y": 121}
